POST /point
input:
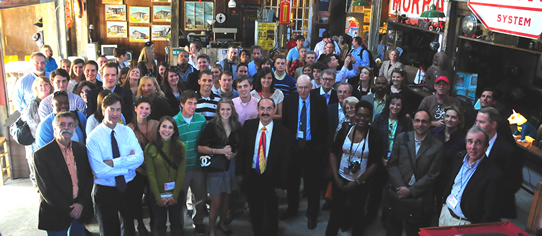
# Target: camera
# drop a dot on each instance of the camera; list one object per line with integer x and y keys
{"x": 354, "y": 167}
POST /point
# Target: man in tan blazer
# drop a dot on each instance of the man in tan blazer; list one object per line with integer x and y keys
{"x": 425, "y": 152}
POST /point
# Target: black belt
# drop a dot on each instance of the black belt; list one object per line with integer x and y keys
{"x": 456, "y": 216}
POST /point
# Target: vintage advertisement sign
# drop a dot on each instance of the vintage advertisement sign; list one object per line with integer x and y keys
{"x": 266, "y": 35}
{"x": 414, "y": 8}
{"x": 519, "y": 17}
{"x": 284, "y": 17}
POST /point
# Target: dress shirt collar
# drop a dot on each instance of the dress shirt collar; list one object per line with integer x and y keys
{"x": 474, "y": 164}
{"x": 268, "y": 128}
{"x": 322, "y": 91}
{"x": 279, "y": 77}
{"x": 491, "y": 142}
{"x": 62, "y": 147}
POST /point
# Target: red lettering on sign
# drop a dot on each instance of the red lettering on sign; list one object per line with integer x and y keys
{"x": 415, "y": 6}
{"x": 514, "y": 20}
{"x": 407, "y": 7}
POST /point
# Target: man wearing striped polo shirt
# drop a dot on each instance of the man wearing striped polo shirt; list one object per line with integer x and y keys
{"x": 207, "y": 100}
{"x": 190, "y": 125}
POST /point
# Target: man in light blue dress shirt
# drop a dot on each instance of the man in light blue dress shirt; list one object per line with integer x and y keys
{"x": 23, "y": 88}
{"x": 114, "y": 154}
{"x": 472, "y": 196}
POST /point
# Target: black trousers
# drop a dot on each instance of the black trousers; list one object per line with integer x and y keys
{"x": 353, "y": 212}
{"x": 109, "y": 202}
{"x": 263, "y": 204}
{"x": 395, "y": 225}
{"x": 306, "y": 163}
{"x": 376, "y": 192}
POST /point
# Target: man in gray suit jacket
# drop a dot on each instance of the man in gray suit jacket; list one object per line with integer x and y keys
{"x": 425, "y": 152}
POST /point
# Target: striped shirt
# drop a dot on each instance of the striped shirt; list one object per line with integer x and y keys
{"x": 76, "y": 103}
{"x": 286, "y": 84}
{"x": 189, "y": 134}
{"x": 207, "y": 106}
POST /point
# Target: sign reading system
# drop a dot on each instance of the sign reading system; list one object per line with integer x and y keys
{"x": 519, "y": 17}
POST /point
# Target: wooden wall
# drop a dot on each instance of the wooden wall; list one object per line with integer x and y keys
{"x": 17, "y": 31}
{"x": 96, "y": 17}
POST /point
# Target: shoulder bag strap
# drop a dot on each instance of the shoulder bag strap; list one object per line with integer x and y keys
{"x": 164, "y": 157}
{"x": 409, "y": 157}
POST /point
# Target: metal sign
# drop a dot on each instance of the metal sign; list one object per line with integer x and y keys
{"x": 284, "y": 17}
{"x": 176, "y": 51}
{"x": 521, "y": 18}
{"x": 414, "y": 8}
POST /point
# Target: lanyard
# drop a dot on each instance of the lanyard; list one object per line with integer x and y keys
{"x": 352, "y": 144}
{"x": 463, "y": 183}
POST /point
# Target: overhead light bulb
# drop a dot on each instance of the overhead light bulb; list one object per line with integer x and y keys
{"x": 232, "y": 4}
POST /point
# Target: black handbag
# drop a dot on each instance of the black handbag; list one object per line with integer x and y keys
{"x": 405, "y": 208}
{"x": 21, "y": 132}
{"x": 214, "y": 163}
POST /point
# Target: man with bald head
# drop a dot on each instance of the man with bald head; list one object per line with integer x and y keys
{"x": 306, "y": 118}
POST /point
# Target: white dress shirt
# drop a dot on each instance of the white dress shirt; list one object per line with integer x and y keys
{"x": 99, "y": 150}
{"x": 491, "y": 142}
{"x": 268, "y": 132}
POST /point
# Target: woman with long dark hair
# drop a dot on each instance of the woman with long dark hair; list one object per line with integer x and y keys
{"x": 264, "y": 87}
{"x": 172, "y": 88}
{"x": 77, "y": 74}
{"x": 354, "y": 158}
{"x": 221, "y": 136}
{"x": 165, "y": 158}
{"x": 389, "y": 123}
{"x": 148, "y": 87}
{"x": 398, "y": 85}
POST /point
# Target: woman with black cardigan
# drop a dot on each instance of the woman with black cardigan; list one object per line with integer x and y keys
{"x": 354, "y": 158}
{"x": 173, "y": 88}
{"x": 148, "y": 87}
{"x": 398, "y": 85}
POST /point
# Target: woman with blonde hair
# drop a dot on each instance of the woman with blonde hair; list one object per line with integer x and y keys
{"x": 146, "y": 64}
{"x": 389, "y": 65}
{"x": 41, "y": 89}
{"x": 149, "y": 87}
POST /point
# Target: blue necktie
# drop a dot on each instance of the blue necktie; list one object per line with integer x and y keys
{"x": 326, "y": 95}
{"x": 121, "y": 182}
{"x": 303, "y": 125}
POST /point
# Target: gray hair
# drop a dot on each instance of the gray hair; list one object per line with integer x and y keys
{"x": 347, "y": 84}
{"x": 63, "y": 114}
{"x": 475, "y": 130}
{"x": 349, "y": 100}
{"x": 330, "y": 72}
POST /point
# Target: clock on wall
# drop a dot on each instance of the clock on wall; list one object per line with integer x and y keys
{"x": 220, "y": 18}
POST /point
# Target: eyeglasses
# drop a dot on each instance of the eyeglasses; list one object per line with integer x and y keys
{"x": 365, "y": 116}
{"x": 60, "y": 93}
{"x": 398, "y": 70}
{"x": 421, "y": 121}
{"x": 328, "y": 79}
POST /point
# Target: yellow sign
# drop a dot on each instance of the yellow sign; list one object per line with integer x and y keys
{"x": 266, "y": 35}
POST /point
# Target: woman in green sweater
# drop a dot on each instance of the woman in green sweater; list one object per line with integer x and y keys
{"x": 166, "y": 162}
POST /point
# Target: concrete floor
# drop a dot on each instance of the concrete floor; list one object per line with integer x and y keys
{"x": 19, "y": 215}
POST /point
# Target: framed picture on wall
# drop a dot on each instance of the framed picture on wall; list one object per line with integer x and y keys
{"x": 161, "y": 32}
{"x": 139, "y": 14}
{"x": 117, "y": 29}
{"x": 197, "y": 15}
{"x": 139, "y": 34}
{"x": 115, "y": 12}
{"x": 161, "y": 13}
{"x": 112, "y": 1}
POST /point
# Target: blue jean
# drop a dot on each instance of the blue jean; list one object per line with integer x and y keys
{"x": 161, "y": 214}
{"x": 76, "y": 229}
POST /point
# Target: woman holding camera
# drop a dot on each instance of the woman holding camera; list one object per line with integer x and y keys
{"x": 354, "y": 158}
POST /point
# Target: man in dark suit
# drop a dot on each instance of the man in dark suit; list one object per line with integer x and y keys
{"x": 306, "y": 118}
{"x": 326, "y": 90}
{"x": 425, "y": 152}
{"x": 109, "y": 77}
{"x": 506, "y": 157}
{"x": 472, "y": 190}
{"x": 264, "y": 175}
{"x": 64, "y": 179}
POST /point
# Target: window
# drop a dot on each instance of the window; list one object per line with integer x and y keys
{"x": 301, "y": 15}
{"x": 197, "y": 14}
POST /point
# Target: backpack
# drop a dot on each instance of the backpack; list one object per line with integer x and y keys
{"x": 371, "y": 58}
{"x": 21, "y": 132}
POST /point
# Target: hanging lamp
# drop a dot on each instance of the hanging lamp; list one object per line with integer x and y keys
{"x": 433, "y": 12}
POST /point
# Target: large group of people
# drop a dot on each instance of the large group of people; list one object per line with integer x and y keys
{"x": 107, "y": 135}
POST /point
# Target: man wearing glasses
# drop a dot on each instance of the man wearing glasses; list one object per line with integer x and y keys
{"x": 436, "y": 103}
{"x": 306, "y": 118}
{"x": 413, "y": 167}
{"x": 326, "y": 90}
{"x": 23, "y": 88}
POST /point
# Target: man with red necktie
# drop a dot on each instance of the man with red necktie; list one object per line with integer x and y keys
{"x": 262, "y": 164}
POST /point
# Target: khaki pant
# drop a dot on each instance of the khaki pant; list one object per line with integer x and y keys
{"x": 446, "y": 219}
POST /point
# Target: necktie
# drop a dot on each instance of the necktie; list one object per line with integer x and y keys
{"x": 261, "y": 153}
{"x": 326, "y": 95}
{"x": 120, "y": 181}
{"x": 303, "y": 125}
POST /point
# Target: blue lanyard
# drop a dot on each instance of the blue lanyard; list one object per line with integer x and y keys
{"x": 467, "y": 180}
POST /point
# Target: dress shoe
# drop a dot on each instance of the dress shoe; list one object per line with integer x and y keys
{"x": 312, "y": 223}
{"x": 287, "y": 215}
{"x": 200, "y": 230}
